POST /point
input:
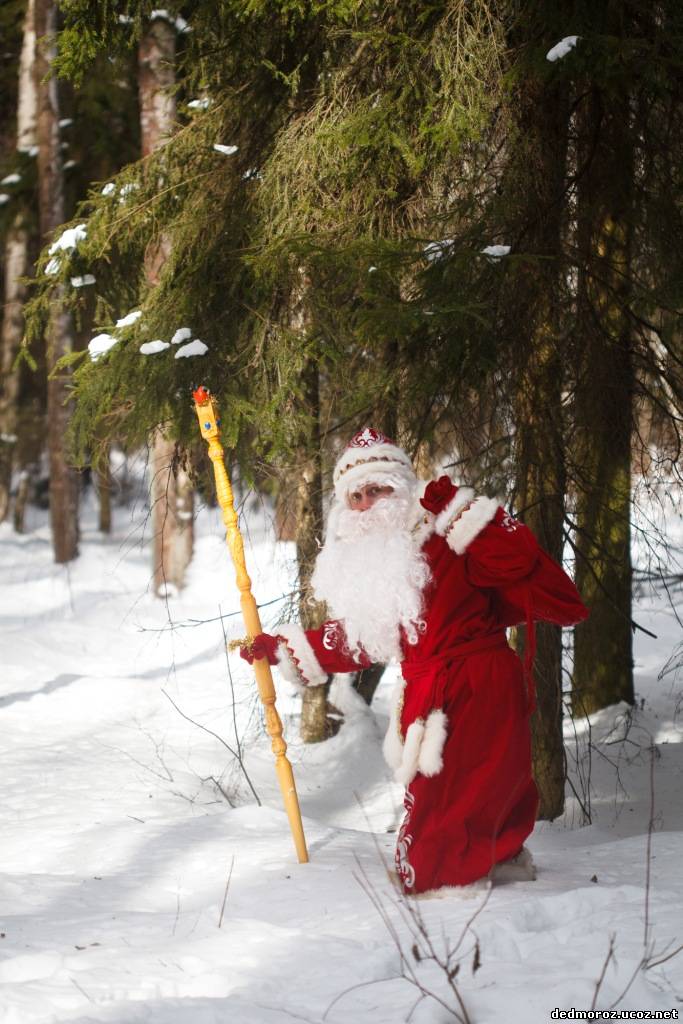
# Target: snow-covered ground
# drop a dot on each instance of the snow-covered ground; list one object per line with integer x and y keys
{"x": 132, "y": 889}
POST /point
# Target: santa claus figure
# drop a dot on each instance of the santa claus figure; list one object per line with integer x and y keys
{"x": 430, "y": 576}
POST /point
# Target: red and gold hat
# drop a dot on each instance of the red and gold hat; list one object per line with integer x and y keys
{"x": 370, "y": 457}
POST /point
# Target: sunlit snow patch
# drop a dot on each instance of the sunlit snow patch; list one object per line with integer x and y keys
{"x": 4, "y": 198}
{"x": 129, "y": 318}
{"x": 226, "y": 150}
{"x": 11, "y": 179}
{"x": 201, "y": 104}
{"x": 109, "y": 188}
{"x": 562, "y": 48}
{"x": 150, "y": 348}
{"x": 82, "y": 282}
{"x": 195, "y": 348}
{"x": 100, "y": 344}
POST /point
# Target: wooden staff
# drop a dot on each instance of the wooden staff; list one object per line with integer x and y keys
{"x": 209, "y": 424}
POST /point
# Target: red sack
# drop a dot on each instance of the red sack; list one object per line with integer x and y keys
{"x": 546, "y": 595}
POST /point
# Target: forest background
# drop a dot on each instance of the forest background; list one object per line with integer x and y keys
{"x": 428, "y": 217}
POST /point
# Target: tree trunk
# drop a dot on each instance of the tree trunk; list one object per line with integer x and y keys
{"x": 27, "y": 99}
{"x": 315, "y": 723}
{"x": 171, "y": 498}
{"x": 102, "y": 480}
{"x": 603, "y": 656}
{"x": 16, "y": 267}
{"x": 20, "y": 502}
{"x": 538, "y": 182}
{"x": 171, "y": 493}
{"x": 541, "y": 482}
{"x": 367, "y": 681}
{"x": 63, "y": 479}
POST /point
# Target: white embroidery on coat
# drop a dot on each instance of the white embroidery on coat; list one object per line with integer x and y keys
{"x": 330, "y": 636}
{"x": 404, "y": 868}
{"x": 509, "y": 523}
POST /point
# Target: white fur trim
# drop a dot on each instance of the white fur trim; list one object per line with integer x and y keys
{"x": 288, "y": 668}
{"x": 411, "y": 753}
{"x": 518, "y": 869}
{"x": 448, "y": 514}
{"x": 475, "y": 890}
{"x": 355, "y": 454}
{"x": 430, "y": 760}
{"x": 392, "y": 747}
{"x": 387, "y": 474}
{"x": 472, "y": 522}
{"x": 296, "y": 659}
{"x": 424, "y": 520}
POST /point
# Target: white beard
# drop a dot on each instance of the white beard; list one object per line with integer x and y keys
{"x": 372, "y": 575}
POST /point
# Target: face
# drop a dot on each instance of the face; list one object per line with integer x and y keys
{"x": 365, "y": 497}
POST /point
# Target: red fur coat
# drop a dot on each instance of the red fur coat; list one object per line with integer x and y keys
{"x": 459, "y": 736}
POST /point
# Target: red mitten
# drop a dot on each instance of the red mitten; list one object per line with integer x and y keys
{"x": 438, "y": 494}
{"x": 262, "y": 646}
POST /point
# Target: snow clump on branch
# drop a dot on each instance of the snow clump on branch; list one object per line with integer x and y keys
{"x": 129, "y": 318}
{"x": 150, "y": 348}
{"x": 100, "y": 344}
{"x": 195, "y": 348}
{"x": 562, "y": 48}
{"x": 495, "y": 252}
{"x": 226, "y": 150}
{"x": 178, "y": 22}
{"x": 67, "y": 242}
{"x": 182, "y": 334}
{"x": 437, "y": 250}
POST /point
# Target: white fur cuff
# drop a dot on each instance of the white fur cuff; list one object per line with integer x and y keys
{"x": 446, "y": 516}
{"x": 411, "y": 753}
{"x": 463, "y": 531}
{"x": 392, "y": 748}
{"x": 423, "y": 748}
{"x": 430, "y": 761}
{"x": 296, "y": 659}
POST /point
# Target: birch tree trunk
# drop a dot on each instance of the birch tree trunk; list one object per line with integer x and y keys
{"x": 171, "y": 493}
{"x": 16, "y": 266}
{"x": 63, "y": 479}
